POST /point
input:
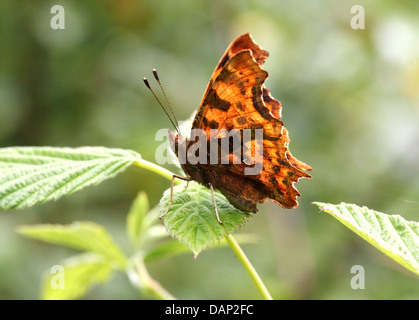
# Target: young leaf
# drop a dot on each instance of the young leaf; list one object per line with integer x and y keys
{"x": 393, "y": 235}
{"x": 79, "y": 274}
{"x": 192, "y": 220}
{"x": 85, "y": 236}
{"x": 135, "y": 217}
{"x": 30, "y": 175}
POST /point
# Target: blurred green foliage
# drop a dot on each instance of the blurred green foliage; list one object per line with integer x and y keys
{"x": 351, "y": 105}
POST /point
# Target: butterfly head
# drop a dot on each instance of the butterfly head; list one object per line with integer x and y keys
{"x": 174, "y": 141}
{"x": 177, "y": 142}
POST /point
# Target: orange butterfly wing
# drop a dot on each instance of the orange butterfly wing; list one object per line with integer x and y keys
{"x": 237, "y": 99}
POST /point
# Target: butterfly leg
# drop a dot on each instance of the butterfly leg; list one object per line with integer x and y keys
{"x": 187, "y": 179}
{"x": 215, "y": 205}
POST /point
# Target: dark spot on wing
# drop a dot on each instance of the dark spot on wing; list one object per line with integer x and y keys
{"x": 223, "y": 61}
{"x": 212, "y": 124}
{"x": 239, "y": 84}
{"x": 216, "y": 102}
{"x": 283, "y": 162}
{"x": 240, "y": 106}
{"x": 258, "y": 103}
{"x": 241, "y": 120}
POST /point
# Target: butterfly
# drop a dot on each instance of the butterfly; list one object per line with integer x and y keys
{"x": 236, "y": 99}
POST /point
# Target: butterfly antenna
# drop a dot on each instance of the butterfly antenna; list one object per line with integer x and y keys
{"x": 156, "y": 76}
{"x": 161, "y": 105}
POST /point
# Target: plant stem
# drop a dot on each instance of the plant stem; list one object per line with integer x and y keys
{"x": 150, "y": 285}
{"x": 155, "y": 168}
{"x": 230, "y": 239}
{"x": 249, "y": 267}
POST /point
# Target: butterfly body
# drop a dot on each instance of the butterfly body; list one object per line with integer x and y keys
{"x": 237, "y": 100}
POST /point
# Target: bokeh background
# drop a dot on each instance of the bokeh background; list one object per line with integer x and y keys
{"x": 351, "y": 105}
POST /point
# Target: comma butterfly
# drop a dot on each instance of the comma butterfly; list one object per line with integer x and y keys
{"x": 237, "y": 100}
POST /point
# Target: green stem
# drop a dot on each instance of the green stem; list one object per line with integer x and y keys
{"x": 154, "y": 167}
{"x": 150, "y": 285}
{"x": 230, "y": 239}
{"x": 249, "y": 267}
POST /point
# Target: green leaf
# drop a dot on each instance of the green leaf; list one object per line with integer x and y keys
{"x": 76, "y": 276}
{"x": 165, "y": 249}
{"x": 393, "y": 235}
{"x": 85, "y": 236}
{"x": 135, "y": 217}
{"x": 192, "y": 220}
{"x": 31, "y": 175}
